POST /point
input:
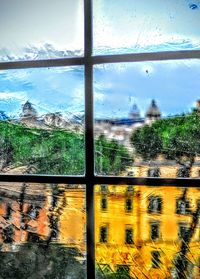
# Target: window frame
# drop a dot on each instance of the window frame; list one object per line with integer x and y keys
{"x": 90, "y": 179}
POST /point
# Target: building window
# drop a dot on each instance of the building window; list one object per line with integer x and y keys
{"x": 8, "y": 233}
{"x": 182, "y": 206}
{"x": 104, "y": 203}
{"x": 8, "y": 211}
{"x": 154, "y": 230}
{"x": 33, "y": 212}
{"x": 155, "y": 259}
{"x": 128, "y": 205}
{"x": 129, "y": 236}
{"x": 155, "y": 204}
{"x": 130, "y": 173}
{"x": 130, "y": 188}
{"x": 104, "y": 188}
{"x": 183, "y": 231}
{"x": 183, "y": 172}
{"x": 103, "y": 234}
{"x": 154, "y": 172}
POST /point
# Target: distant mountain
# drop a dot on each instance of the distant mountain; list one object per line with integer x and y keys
{"x": 49, "y": 51}
{"x": 46, "y": 51}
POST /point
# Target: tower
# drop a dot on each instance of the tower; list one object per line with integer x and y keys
{"x": 28, "y": 111}
{"x": 153, "y": 113}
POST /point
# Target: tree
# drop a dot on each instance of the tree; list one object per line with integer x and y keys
{"x": 56, "y": 151}
{"x": 111, "y": 157}
{"x": 176, "y": 138}
{"x": 147, "y": 142}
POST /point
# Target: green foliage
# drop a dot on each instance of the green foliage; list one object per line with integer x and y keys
{"x": 175, "y": 137}
{"x": 55, "y": 151}
{"x": 111, "y": 157}
{"x": 147, "y": 142}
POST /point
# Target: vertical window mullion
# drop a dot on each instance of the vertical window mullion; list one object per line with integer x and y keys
{"x": 89, "y": 139}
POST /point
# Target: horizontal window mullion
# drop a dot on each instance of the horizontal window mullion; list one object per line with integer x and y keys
{"x": 147, "y": 181}
{"x": 115, "y": 180}
{"x": 152, "y": 56}
{"x": 74, "y": 61}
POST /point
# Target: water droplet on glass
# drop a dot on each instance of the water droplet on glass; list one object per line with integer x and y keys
{"x": 193, "y": 6}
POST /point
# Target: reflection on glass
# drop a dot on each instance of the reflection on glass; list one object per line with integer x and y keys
{"x": 147, "y": 118}
{"x": 32, "y": 30}
{"x": 143, "y": 26}
{"x": 154, "y": 240}
{"x": 42, "y": 230}
{"x": 42, "y": 121}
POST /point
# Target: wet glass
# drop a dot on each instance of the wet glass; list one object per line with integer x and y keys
{"x": 145, "y": 26}
{"x": 34, "y": 30}
{"x": 42, "y": 121}
{"x": 161, "y": 243}
{"x": 146, "y": 119}
{"x": 37, "y": 238}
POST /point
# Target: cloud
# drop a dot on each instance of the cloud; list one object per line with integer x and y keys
{"x": 7, "y": 96}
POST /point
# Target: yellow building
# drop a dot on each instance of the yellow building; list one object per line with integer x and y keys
{"x": 140, "y": 229}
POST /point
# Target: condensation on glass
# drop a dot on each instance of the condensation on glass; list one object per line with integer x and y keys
{"x": 42, "y": 121}
{"x": 33, "y": 30}
{"x": 159, "y": 238}
{"x": 42, "y": 230}
{"x": 143, "y": 26}
{"x": 147, "y": 119}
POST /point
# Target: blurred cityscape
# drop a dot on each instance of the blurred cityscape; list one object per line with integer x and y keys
{"x": 140, "y": 231}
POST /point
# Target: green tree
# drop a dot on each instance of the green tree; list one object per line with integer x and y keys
{"x": 56, "y": 151}
{"x": 111, "y": 157}
{"x": 147, "y": 142}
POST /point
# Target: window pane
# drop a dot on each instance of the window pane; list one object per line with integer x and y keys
{"x": 147, "y": 117}
{"x": 143, "y": 26}
{"x": 42, "y": 121}
{"x": 40, "y": 29}
{"x": 143, "y": 243}
{"x": 42, "y": 231}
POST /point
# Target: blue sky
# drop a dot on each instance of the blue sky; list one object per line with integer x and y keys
{"x": 175, "y": 85}
{"x": 119, "y": 27}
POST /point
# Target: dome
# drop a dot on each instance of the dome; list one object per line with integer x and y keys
{"x": 153, "y": 110}
{"x": 28, "y": 110}
{"x": 134, "y": 112}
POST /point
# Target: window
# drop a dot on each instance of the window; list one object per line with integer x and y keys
{"x": 155, "y": 204}
{"x": 130, "y": 188}
{"x": 104, "y": 203}
{"x": 154, "y": 230}
{"x": 183, "y": 231}
{"x": 129, "y": 236}
{"x": 182, "y": 207}
{"x": 183, "y": 172}
{"x": 128, "y": 205}
{"x": 103, "y": 234}
{"x": 155, "y": 259}
{"x": 104, "y": 188}
{"x": 8, "y": 211}
{"x": 153, "y": 172}
{"x": 8, "y": 233}
{"x": 142, "y": 47}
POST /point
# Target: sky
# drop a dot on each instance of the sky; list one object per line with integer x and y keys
{"x": 49, "y": 29}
